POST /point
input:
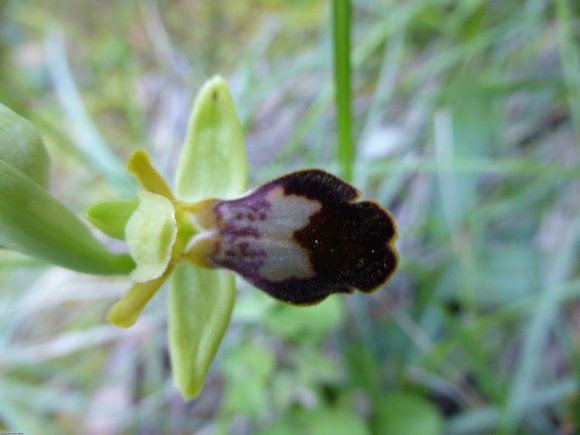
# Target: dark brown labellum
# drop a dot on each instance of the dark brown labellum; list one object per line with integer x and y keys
{"x": 301, "y": 238}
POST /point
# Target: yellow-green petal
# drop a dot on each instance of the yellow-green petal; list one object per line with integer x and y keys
{"x": 150, "y": 235}
{"x": 200, "y": 307}
{"x": 126, "y": 312}
{"x": 111, "y": 216}
{"x": 35, "y": 223}
{"x": 213, "y": 162}
{"x": 143, "y": 170}
{"x": 22, "y": 148}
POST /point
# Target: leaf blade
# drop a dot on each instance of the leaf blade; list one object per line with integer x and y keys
{"x": 22, "y": 148}
{"x": 33, "y": 222}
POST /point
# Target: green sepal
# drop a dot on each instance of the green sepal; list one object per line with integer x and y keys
{"x": 33, "y": 222}
{"x": 213, "y": 162}
{"x": 200, "y": 307}
{"x": 22, "y": 148}
{"x": 111, "y": 216}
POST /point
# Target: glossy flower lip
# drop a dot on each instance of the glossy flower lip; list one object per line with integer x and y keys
{"x": 299, "y": 238}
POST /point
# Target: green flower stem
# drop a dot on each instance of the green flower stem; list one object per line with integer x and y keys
{"x": 341, "y": 11}
{"x": 125, "y": 313}
{"x": 33, "y": 222}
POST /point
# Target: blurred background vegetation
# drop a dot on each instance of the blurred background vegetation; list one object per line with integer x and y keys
{"x": 466, "y": 125}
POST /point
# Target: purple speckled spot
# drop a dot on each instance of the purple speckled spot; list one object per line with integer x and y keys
{"x": 233, "y": 233}
{"x": 236, "y": 219}
{"x": 244, "y": 208}
{"x": 245, "y": 261}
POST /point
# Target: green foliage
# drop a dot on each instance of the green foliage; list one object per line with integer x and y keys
{"x": 312, "y": 323}
{"x": 21, "y": 147}
{"x": 400, "y": 413}
{"x": 248, "y": 371}
{"x": 322, "y": 420}
{"x": 32, "y": 221}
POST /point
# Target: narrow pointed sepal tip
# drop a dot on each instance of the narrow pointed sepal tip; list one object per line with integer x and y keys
{"x": 192, "y": 392}
{"x": 303, "y": 237}
{"x": 120, "y": 316}
{"x": 126, "y": 312}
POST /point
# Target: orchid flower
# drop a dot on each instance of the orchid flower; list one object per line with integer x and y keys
{"x": 299, "y": 238}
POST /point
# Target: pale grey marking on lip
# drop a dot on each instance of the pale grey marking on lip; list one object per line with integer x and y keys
{"x": 285, "y": 258}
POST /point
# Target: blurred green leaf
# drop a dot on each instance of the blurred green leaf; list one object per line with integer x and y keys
{"x": 337, "y": 421}
{"x": 364, "y": 369}
{"x": 247, "y": 370}
{"x": 301, "y": 323}
{"x": 282, "y": 426}
{"x": 112, "y": 216}
{"x": 403, "y": 413}
{"x": 35, "y": 223}
{"x": 200, "y": 307}
{"x": 323, "y": 420}
{"x": 213, "y": 161}
{"x": 17, "y": 417}
{"x": 316, "y": 366}
{"x": 97, "y": 152}
{"x": 21, "y": 147}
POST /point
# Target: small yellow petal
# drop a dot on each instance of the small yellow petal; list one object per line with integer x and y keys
{"x": 141, "y": 167}
{"x": 126, "y": 312}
